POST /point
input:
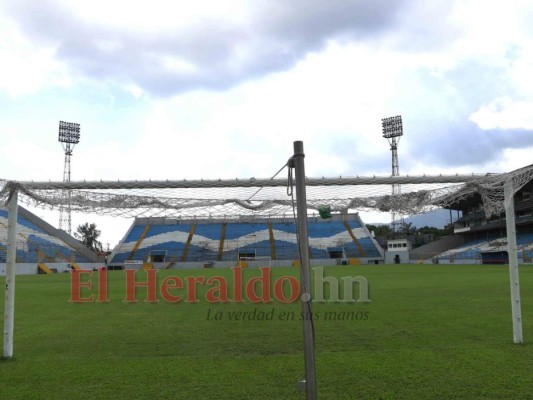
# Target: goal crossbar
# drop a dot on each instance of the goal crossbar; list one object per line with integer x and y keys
{"x": 247, "y": 183}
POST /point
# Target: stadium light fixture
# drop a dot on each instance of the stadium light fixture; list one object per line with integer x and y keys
{"x": 69, "y": 132}
{"x": 392, "y": 127}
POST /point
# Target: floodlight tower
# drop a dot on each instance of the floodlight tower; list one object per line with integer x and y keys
{"x": 69, "y": 136}
{"x": 392, "y": 131}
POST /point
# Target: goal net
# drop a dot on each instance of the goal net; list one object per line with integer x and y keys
{"x": 265, "y": 197}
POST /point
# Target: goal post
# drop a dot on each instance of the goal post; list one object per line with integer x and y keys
{"x": 9, "y": 314}
{"x": 512, "y": 251}
{"x": 297, "y": 163}
{"x": 228, "y": 200}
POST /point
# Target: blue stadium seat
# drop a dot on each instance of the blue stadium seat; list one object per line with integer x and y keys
{"x": 36, "y": 245}
{"x": 243, "y": 238}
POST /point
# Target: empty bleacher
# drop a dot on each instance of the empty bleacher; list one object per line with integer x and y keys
{"x": 172, "y": 240}
{"x": 34, "y": 244}
{"x": 472, "y": 250}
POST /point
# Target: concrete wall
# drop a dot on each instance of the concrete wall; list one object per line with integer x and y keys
{"x": 461, "y": 261}
{"x": 20, "y": 269}
{"x": 32, "y": 269}
{"x": 250, "y": 264}
{"x": 473, "y": 261}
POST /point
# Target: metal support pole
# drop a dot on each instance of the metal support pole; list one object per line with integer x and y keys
{"x": 305, "y": 271}
{"x": 512, "y": 250}
{"x": 9, "y": 315}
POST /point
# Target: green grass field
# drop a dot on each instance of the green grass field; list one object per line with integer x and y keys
{"x": 430, "y": 332}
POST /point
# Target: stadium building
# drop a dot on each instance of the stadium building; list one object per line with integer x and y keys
{"x": 484, "y": 239}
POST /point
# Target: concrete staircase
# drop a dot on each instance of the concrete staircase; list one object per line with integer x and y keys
{"x": 434, "y": 248}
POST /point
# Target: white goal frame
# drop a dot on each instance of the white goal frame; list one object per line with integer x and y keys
{"x": 12, "y": 189}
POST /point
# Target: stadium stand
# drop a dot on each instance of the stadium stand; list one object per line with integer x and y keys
{"x": 170, "y": 240}
{"x": 39, "y": 242}
{"x": 473, "y": 250}
{"x": 484, "y": 235}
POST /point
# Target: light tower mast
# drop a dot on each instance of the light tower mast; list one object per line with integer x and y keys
{"x": 69, "y": 136}
{"x": 392, "y": 131}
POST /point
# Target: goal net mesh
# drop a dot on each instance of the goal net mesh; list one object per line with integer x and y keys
{"x": 233, "y": 198}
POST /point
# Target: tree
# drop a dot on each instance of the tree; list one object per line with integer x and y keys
{"x": 379, "y": 230}
{"x": 88, "y": 235}
{"x": 407, "y": 229}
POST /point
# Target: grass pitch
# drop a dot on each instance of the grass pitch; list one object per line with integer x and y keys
{"x": 430, "y": 332}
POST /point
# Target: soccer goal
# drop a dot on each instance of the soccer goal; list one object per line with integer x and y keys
{"x": 216, "y": 198}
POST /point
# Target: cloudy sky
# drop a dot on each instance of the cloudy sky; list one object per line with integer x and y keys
{"x": 208, "y": 89}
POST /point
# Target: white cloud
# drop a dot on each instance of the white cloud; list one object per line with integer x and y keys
{"x": 516, "y": 158}
{"x": 26, "y": 68}
{"x": 25, "y": 158}
{"x": 157, "y": 15}
{"x": 238, "y": 82}
{"x": 168, "y": 48}
{"x": 504, "y": 113}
